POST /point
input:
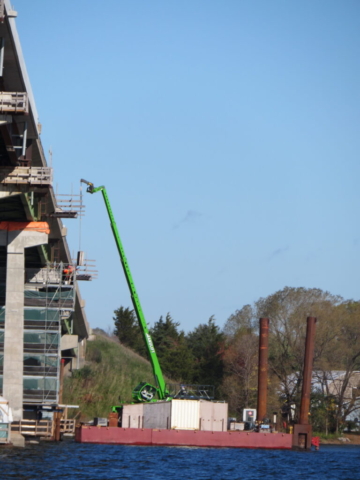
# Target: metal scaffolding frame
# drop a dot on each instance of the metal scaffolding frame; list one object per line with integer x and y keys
{"x": 49, "y": 295}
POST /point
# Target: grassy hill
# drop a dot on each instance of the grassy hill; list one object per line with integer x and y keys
{"x": 110, "y": 373}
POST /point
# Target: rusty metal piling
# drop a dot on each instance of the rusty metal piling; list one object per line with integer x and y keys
{"x": 302, "y": 430}
{"x": 263, "y": 369}
{"x": 307, "y": 374}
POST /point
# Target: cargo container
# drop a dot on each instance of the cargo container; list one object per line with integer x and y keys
{"x": 185, "y": 414}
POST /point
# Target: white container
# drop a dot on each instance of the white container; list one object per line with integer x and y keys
{"x": 185, "y": 414}
{"x": 157, "y": 415}
{"x": 133, "y": 416}
{"x": 213, "y": 416}
{"x": 237, "y": 426}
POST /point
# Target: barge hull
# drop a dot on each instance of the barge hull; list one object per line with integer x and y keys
{"x": 189, "y": 438}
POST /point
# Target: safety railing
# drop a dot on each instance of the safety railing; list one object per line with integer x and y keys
{"x": 33, "y": 428}
{"x": 67, "y": 426}
{"x": 26, "y": 176}
{"x": 14, "y": 102}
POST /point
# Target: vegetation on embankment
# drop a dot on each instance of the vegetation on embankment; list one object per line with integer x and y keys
{"x": 110, "y": 373}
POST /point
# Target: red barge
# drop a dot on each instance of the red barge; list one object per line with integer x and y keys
{"x": 180, "y": 438}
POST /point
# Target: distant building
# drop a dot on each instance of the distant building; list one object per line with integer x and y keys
{"x": 331, "y": 383}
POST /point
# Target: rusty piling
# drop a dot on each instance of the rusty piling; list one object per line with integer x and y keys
{"x": 307, "y": 373}
{"x": 263, "y": 369}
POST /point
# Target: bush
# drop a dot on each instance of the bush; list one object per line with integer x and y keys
{"x": 83, "y": 373}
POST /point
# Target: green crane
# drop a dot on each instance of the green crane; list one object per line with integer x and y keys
{"x": 144, "y": 392}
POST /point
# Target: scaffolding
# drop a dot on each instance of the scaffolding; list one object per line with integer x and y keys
{"x": 68, "y": 206}
{"x": 49, "y": 303}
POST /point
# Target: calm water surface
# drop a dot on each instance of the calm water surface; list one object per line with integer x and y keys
{"x": 71, "y": 461}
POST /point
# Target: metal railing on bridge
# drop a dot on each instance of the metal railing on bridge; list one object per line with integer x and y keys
{"x": 43, "y": 428}
{"x": 26, "y": 176}
{"x": 14, "y": 102}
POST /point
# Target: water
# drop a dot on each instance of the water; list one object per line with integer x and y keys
{"x": 71, "y": 461}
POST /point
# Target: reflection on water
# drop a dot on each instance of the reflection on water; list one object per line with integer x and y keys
{"x": 71, "y": 461}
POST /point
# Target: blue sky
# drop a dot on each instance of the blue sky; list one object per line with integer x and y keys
{"x": 226, "y": 133}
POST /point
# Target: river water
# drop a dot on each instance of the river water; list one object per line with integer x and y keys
{"x": 71, "y": 461}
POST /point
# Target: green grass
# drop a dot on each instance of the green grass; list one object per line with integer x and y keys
{"x": 111, "y": 372}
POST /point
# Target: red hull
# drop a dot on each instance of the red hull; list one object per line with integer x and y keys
{"x": 190, "y": 438}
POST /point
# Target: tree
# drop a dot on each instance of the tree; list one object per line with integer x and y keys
{"x": 128, "y": 331}
{"x": 287, "y": 310}
{"x": 240, "y": 359}
{"x": 240, "y": 322}
{"x": 240, "y": 362}
{"x": 206, "y": 343}
{"x": 175, "y": 358}
{"x": 336, "y": 380}
{"x": 341, "y": 361}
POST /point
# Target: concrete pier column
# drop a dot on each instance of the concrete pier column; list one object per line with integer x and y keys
{"x": 16, "y": 242}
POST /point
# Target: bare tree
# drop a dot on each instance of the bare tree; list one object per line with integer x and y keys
{"x": 240, "y": 361}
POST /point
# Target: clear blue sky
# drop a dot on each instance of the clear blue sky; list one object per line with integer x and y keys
{"x": 226, "y": 133}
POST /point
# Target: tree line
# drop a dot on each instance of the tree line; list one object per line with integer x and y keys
{"x": 228, "y": 358}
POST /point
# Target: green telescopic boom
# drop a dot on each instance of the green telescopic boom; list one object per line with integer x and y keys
{"x": 159, "y": 378}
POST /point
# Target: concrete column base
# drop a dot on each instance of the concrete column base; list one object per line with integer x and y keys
{"x": 17, "y": 440}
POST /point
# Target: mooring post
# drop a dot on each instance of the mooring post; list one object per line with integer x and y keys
{"x": 307, "y": 373}
{"x": 302, "y": 430}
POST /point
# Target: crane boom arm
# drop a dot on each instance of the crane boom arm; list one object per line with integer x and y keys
{"x": 159, "y": 378}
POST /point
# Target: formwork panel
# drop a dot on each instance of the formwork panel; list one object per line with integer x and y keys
{"x": 213, "y": 416}
{"x": 157, "y": 415}
{"x": 133, "y": 416}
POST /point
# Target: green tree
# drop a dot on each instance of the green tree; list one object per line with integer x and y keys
{"x": 175, "y": 358}
{"x": 243, "y": 321}
{"x": 128, "y": 331}
{"x": 206, "y": 343}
